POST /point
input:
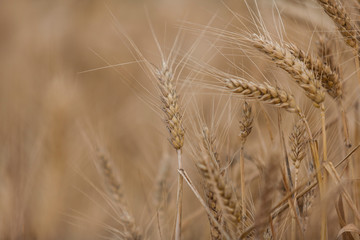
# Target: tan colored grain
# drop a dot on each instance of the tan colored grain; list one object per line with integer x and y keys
{"x": 171, "y": 108}
{"x": 264, "y": 93}
{"x": 245, "y": 124}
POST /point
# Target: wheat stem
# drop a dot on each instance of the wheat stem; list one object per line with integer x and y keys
{"x": 179, "y": 198}
{"x": 323, "y": 211}
{"x": 242, "y": 184}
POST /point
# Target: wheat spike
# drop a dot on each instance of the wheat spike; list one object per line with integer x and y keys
{"x": 169, "y": 98}
{"x": 245, "y": 124}
{"x": 284, "y": 59}
{"x": 342, "y": 20}
{"x": 329, "y": 78}
{"x": 212, "y": 203}
{"x": 264, "y": 93}
{"x": 219, "y": 190}
{"x": 297, "y": 143}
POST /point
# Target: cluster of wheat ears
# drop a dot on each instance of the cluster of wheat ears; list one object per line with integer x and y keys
{"x": 299, "y": 180}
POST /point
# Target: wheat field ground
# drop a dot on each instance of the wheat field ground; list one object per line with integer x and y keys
{"x": 180, "y": 119}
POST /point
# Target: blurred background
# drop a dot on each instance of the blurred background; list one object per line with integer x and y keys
{"x": 59, "y": 98}
{"x": 51, "y": 112}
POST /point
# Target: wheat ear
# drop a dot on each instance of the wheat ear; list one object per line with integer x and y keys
{"x": 209, "y": 160}
{"x": 328, "y": 77}
{"x": 221, "y": 189}
{"x": 297, "y": 143}
{"x": 173, "y": 119}
{"x": 342, "y": 20}
{"x": 245, "y": 126}
{"x": 264, "y": 93}
{"x": 131, "y": 231}
{"x": 173, "y": 115}
{"x": 284, "y": 59}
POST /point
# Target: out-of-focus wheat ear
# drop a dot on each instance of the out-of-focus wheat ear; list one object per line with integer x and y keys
{"x": 173, "y": 119}
{"x": 208, "y": 165}
{"x": 342, "y": 20}
{"x": 328, "y": 77}
{"x": 245, "y": 125}
{"x": 344, "y": 24}
{"x": 306, "y": 204}
{"x": 113, "y": 186}
{"x": 284, "y": 59}
{"x": 161, "y": 186}
{"x": 263, "y": 93}
{"x": 326, "y": 51}
{"x": 297, "y": 143}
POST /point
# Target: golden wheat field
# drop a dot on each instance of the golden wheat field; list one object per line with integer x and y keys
{"x": 180, "y": 119}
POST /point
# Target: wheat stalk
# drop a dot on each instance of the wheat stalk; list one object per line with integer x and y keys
{"x": 173, "y": 119}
